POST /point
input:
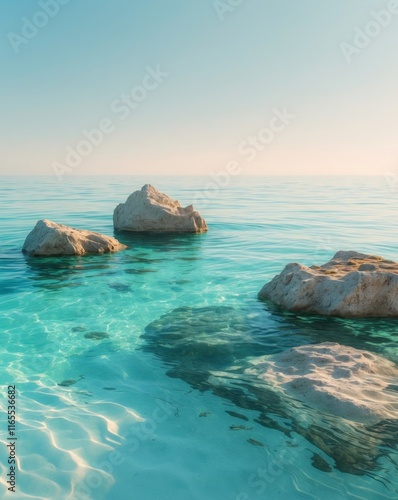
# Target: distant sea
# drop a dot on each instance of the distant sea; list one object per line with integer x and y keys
{"x": 129, "y": 367}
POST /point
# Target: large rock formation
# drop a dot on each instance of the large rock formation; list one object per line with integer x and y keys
{"x": 50, "y": 238}
{"x": 150, "y": 210}
{"x": 341, "y": 400}
{"x": 352, "y": 285}
{"x": 338, "y": 380}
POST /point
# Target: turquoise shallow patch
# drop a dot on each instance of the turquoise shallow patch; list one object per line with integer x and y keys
{"x": 128, "y": 366}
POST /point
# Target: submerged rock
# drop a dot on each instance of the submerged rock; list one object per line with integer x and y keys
{"x": 120, "y": 287}
{"x": 338, "y": 380}
{"x": 150, "y": 210}
{"x": 350, "y": 285}
{"x": 96, "y": 335}
{"x": 49, "y": 238}
{"x": 210, "y": 348}
{"x": 196, "y": 340}
{"x": 320, "y": 463}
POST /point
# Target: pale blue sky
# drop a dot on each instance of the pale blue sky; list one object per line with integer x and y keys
{"x": 226, "y": 77}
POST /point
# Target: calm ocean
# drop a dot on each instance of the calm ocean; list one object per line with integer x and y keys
{"x": 150, "y": 344}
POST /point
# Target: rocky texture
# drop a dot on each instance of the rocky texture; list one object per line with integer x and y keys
{"x": 227, "y": 351}
{"x": 150, "y": 210}
{"x": 352, "y": 284}
{"x": 338, "y": 380}
{"x": 49, "y": 238}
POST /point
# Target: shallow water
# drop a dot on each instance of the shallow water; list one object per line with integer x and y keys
{"x": 127, "y": 365}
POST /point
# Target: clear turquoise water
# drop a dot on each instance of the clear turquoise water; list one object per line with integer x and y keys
{"x": 148, "y": 418}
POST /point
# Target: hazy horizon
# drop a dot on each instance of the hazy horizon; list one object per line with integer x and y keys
{"x": 192, "y": 175}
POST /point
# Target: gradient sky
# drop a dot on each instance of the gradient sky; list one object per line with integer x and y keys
{"x": 225, "y": 79}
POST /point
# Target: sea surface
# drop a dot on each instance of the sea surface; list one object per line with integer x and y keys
{"x": 130, "y": 367}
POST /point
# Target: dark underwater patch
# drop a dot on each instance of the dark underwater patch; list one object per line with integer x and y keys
{"x": 96, "y": 335}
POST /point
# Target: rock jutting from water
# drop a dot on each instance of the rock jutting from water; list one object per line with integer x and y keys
{"x": 351, "y": 285}
{"x": 339, "y": 380}
{"x": 150, "y": 210}
{"x": 49, "y": 238}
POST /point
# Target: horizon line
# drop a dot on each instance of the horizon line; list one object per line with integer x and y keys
{"x": 196, "y": 175}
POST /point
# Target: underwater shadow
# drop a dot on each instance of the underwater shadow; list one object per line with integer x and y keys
{"x": 54, "y": 273}
{"x": 160, "y": 241}
{"x": 376, "y": 334}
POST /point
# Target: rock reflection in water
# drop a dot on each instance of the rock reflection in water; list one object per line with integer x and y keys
{"x": 375, "y": 334}
{"x": 209, "y": 348}
{"x": 55, "y": 273}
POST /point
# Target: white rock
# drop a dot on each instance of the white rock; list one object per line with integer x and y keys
{"x": 352, "y": 284}
{"x": 50, "y": 238}
{"x": 335, "y": 379}
{"x": 150, "y": 210}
